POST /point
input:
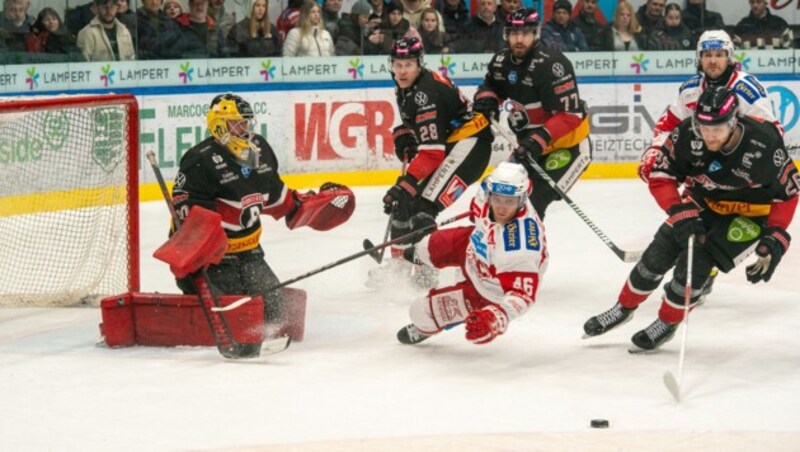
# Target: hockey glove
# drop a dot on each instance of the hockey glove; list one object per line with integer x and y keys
{"x": 533, "y": 145}
{"x": 488, "y": 104}
{"x": 770, "y": 250}
{"x": 483, "y": 325}
{"x": 423, "y": 220}
{"x": 685, "y": 221}
{"x": 648, "y": 161}
{"x": 401, "y": 193}
{"x": 405, "y": 143}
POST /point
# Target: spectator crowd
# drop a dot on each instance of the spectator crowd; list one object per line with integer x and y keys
{"x": 110, "y": 30}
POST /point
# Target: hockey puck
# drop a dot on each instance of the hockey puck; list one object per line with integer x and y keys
{"x": 599, "y": 423}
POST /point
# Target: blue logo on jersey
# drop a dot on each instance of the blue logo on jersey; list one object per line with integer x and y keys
{"x": 714, "y": 166}
{"x": 246, "y": 171}
{"x": 480, "y": 247}
{"x": 512, "y": 77}
{"x": 511, "y": 236}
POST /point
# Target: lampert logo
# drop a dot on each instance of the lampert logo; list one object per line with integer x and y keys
{"x": 186, "y": 72}
{"x": 269, "y": 70}
{"x": 356, "y": 68}
{"x": 742, "y": 61}
{"x": 447, "y": 66}
{"x": 785, "y": 106}
{"x": 639, "y": 63}
{"x": 108, "y": 75}
{"x": 33, "y": 78}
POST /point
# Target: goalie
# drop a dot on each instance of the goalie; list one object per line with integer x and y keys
{"x": 234, "y": 172}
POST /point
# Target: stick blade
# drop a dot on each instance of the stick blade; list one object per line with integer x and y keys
{"x": 373, "y": 253}
{"x": 672, "y": 385}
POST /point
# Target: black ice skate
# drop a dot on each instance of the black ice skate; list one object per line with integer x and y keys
{"x": 654, "y": 336}
{"x": 607, "y": 321}
{"x": 410, "y": 335}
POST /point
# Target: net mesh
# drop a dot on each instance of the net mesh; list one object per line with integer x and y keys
{"x": 65, "y": 215}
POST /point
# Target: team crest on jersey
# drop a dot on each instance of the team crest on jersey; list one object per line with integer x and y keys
{"x": 512, "y": 77}
{"x": 452, "y": 192}
{"x": 779, "y": 157}
{"x": 180, "y": 179}
{"x": 558, "y": 70}
{"x": 246, "y": 170}
{"x": 420, "y": 98}
{"x": 714, "y": 166}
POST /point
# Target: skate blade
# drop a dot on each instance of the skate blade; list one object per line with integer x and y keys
{"x": 634, "y": 350}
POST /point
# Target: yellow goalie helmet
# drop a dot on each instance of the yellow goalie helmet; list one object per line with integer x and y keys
{"x": 230, "y": 120}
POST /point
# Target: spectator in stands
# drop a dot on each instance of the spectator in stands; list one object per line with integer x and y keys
{"x": 378, "y": 7}
{"x": 160, "y": 38}
{"x": 254, "y": 36}
{"x": 455, "y": 17}
{"x": 674, "y": 34}
{"x": 624, "y": 33}
{"x": 198, "y": 28}
{"x": 762, "y": 30}
{"x": 353, "y": 29}
{"x": 128, "y": 18}
{"x": 15, "y": 23}
{"x": 380, "y": 39}
{"x": 49, "y": 35}
{"x": 106, "y": 38}
{"x": 433, "y": 40}
{"x": 412, "y": 11}
{"x": 699, "y": 19}
{"x": 173, "y": 8}
{"x": 331, "y": 15}
{"x": 288, "y": 19}
{"x": 78, "y": 18}
{"x": 506, "y": 7}
{"x": 560, "y": 32}
{"x": 309, "y": 37}
{"x": 223, "y": 23}
{"x": 650, "y": 16}
{"x": 484, "y": 34}
{"x": 586, "y": 20}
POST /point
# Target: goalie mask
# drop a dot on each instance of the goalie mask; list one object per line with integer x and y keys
{"x": 230, "y": 121}
{"x": 507, "y": 188}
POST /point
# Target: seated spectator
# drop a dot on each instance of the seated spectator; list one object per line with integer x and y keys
{"x": 484, "y": 34}
{"x": 198, "y": 29}
{"x": 288, "y": 19}
{"x": 699, "y": 19}
{"x": 49, "y": 35}
{"x": 433, "y": 40}
{"x": 624, "y": 33}
{"x": 762, "y": 30}
{"x": 353, "y": 29}
{"x": 560, "y": 32}
{"x": 454, "y": 17}
{"x": 381, "y": 37}
{"x": 106, "y": 38}
{"x": 160, "y": 38}
{"x": 173, "y": 8}
{"x": 593, "y": 30}
{"x": 331, "y": 10}
{"x": 15, "y": 23}
{"x": 223, "y": 23}
{"x": 309, "y": 37}
{"x": 650, "y": 16}
{"x": 506, "y": 7}
{"x": 412, "y": 10}
{"x": 255, "y": 36}
{"x": 378, "y": 8}
{"x": 673, "y": 35}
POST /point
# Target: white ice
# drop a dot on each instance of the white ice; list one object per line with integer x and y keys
{"x": 351, "y": 386}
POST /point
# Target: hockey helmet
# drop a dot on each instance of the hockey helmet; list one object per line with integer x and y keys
{"x": 509, "y": 179}
{"x": 716, "y": 107}
{"x": 407, "y": 49}
{"x": 230, "y": 120}
{"x": 715, "y": 40}
{"x": 526, "y": 19}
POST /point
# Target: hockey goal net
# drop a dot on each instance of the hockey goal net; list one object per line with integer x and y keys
{"x": 69, "y": 218}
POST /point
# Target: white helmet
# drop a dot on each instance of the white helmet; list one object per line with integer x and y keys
{"x": 509, "y": 179}
{"x": 714, "y": 40}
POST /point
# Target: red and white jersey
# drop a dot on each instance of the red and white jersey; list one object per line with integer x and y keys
{"x": 505, "y": 263}
{"x": 753, "y": 101}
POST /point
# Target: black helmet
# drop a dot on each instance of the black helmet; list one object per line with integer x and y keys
{"x": 407, "y": 49}
{"x": 523, "y": 18}
{"x": 717, "y": 105}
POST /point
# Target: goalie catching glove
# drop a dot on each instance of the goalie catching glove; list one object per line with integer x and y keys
{"x": 332, "y": 206}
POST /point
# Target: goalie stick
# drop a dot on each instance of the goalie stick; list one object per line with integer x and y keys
{"x": 674, "y": 384}
{"x": 226, "y": 344}
{"x": 625, "y": 256}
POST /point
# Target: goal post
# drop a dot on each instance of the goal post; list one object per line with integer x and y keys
{"x": 69, "y": 199}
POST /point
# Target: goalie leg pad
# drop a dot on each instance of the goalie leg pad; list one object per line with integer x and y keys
{"x": 198, "y": 243}
{"x": 332, "y": 206}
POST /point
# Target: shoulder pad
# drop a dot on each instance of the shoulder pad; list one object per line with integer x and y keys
{"x": 693, "y": 82}
{"x": 749, "y": 89}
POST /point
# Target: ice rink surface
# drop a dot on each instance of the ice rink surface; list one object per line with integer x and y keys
{"x": 351, "y": 386}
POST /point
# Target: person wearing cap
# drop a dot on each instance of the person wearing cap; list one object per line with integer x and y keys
{"x": 545, "y": 110}
{"x": 173, "y": 8}
{"x": 106, "y": 38}
{"x": 160, "y": 38}
{"x": 561, "y": 33}
{"x": 353, "y": 29}
{"x": 395, "y": 26}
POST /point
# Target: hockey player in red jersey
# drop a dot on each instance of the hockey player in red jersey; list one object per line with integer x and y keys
{"x": 547, "y": 115}
{"x": 502, "y": 257}
{"x": 741, "y": 194}
{"x": 235, "y": 173}
{"x": 445, "y": 145}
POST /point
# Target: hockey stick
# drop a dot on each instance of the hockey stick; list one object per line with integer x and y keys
{"x": 226, "y": 344}
{"x": 367, "y": 243}
{"x": 344, "y": 260}
{"x": 673, "y": 384}
{"x": 625, "y": 256}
